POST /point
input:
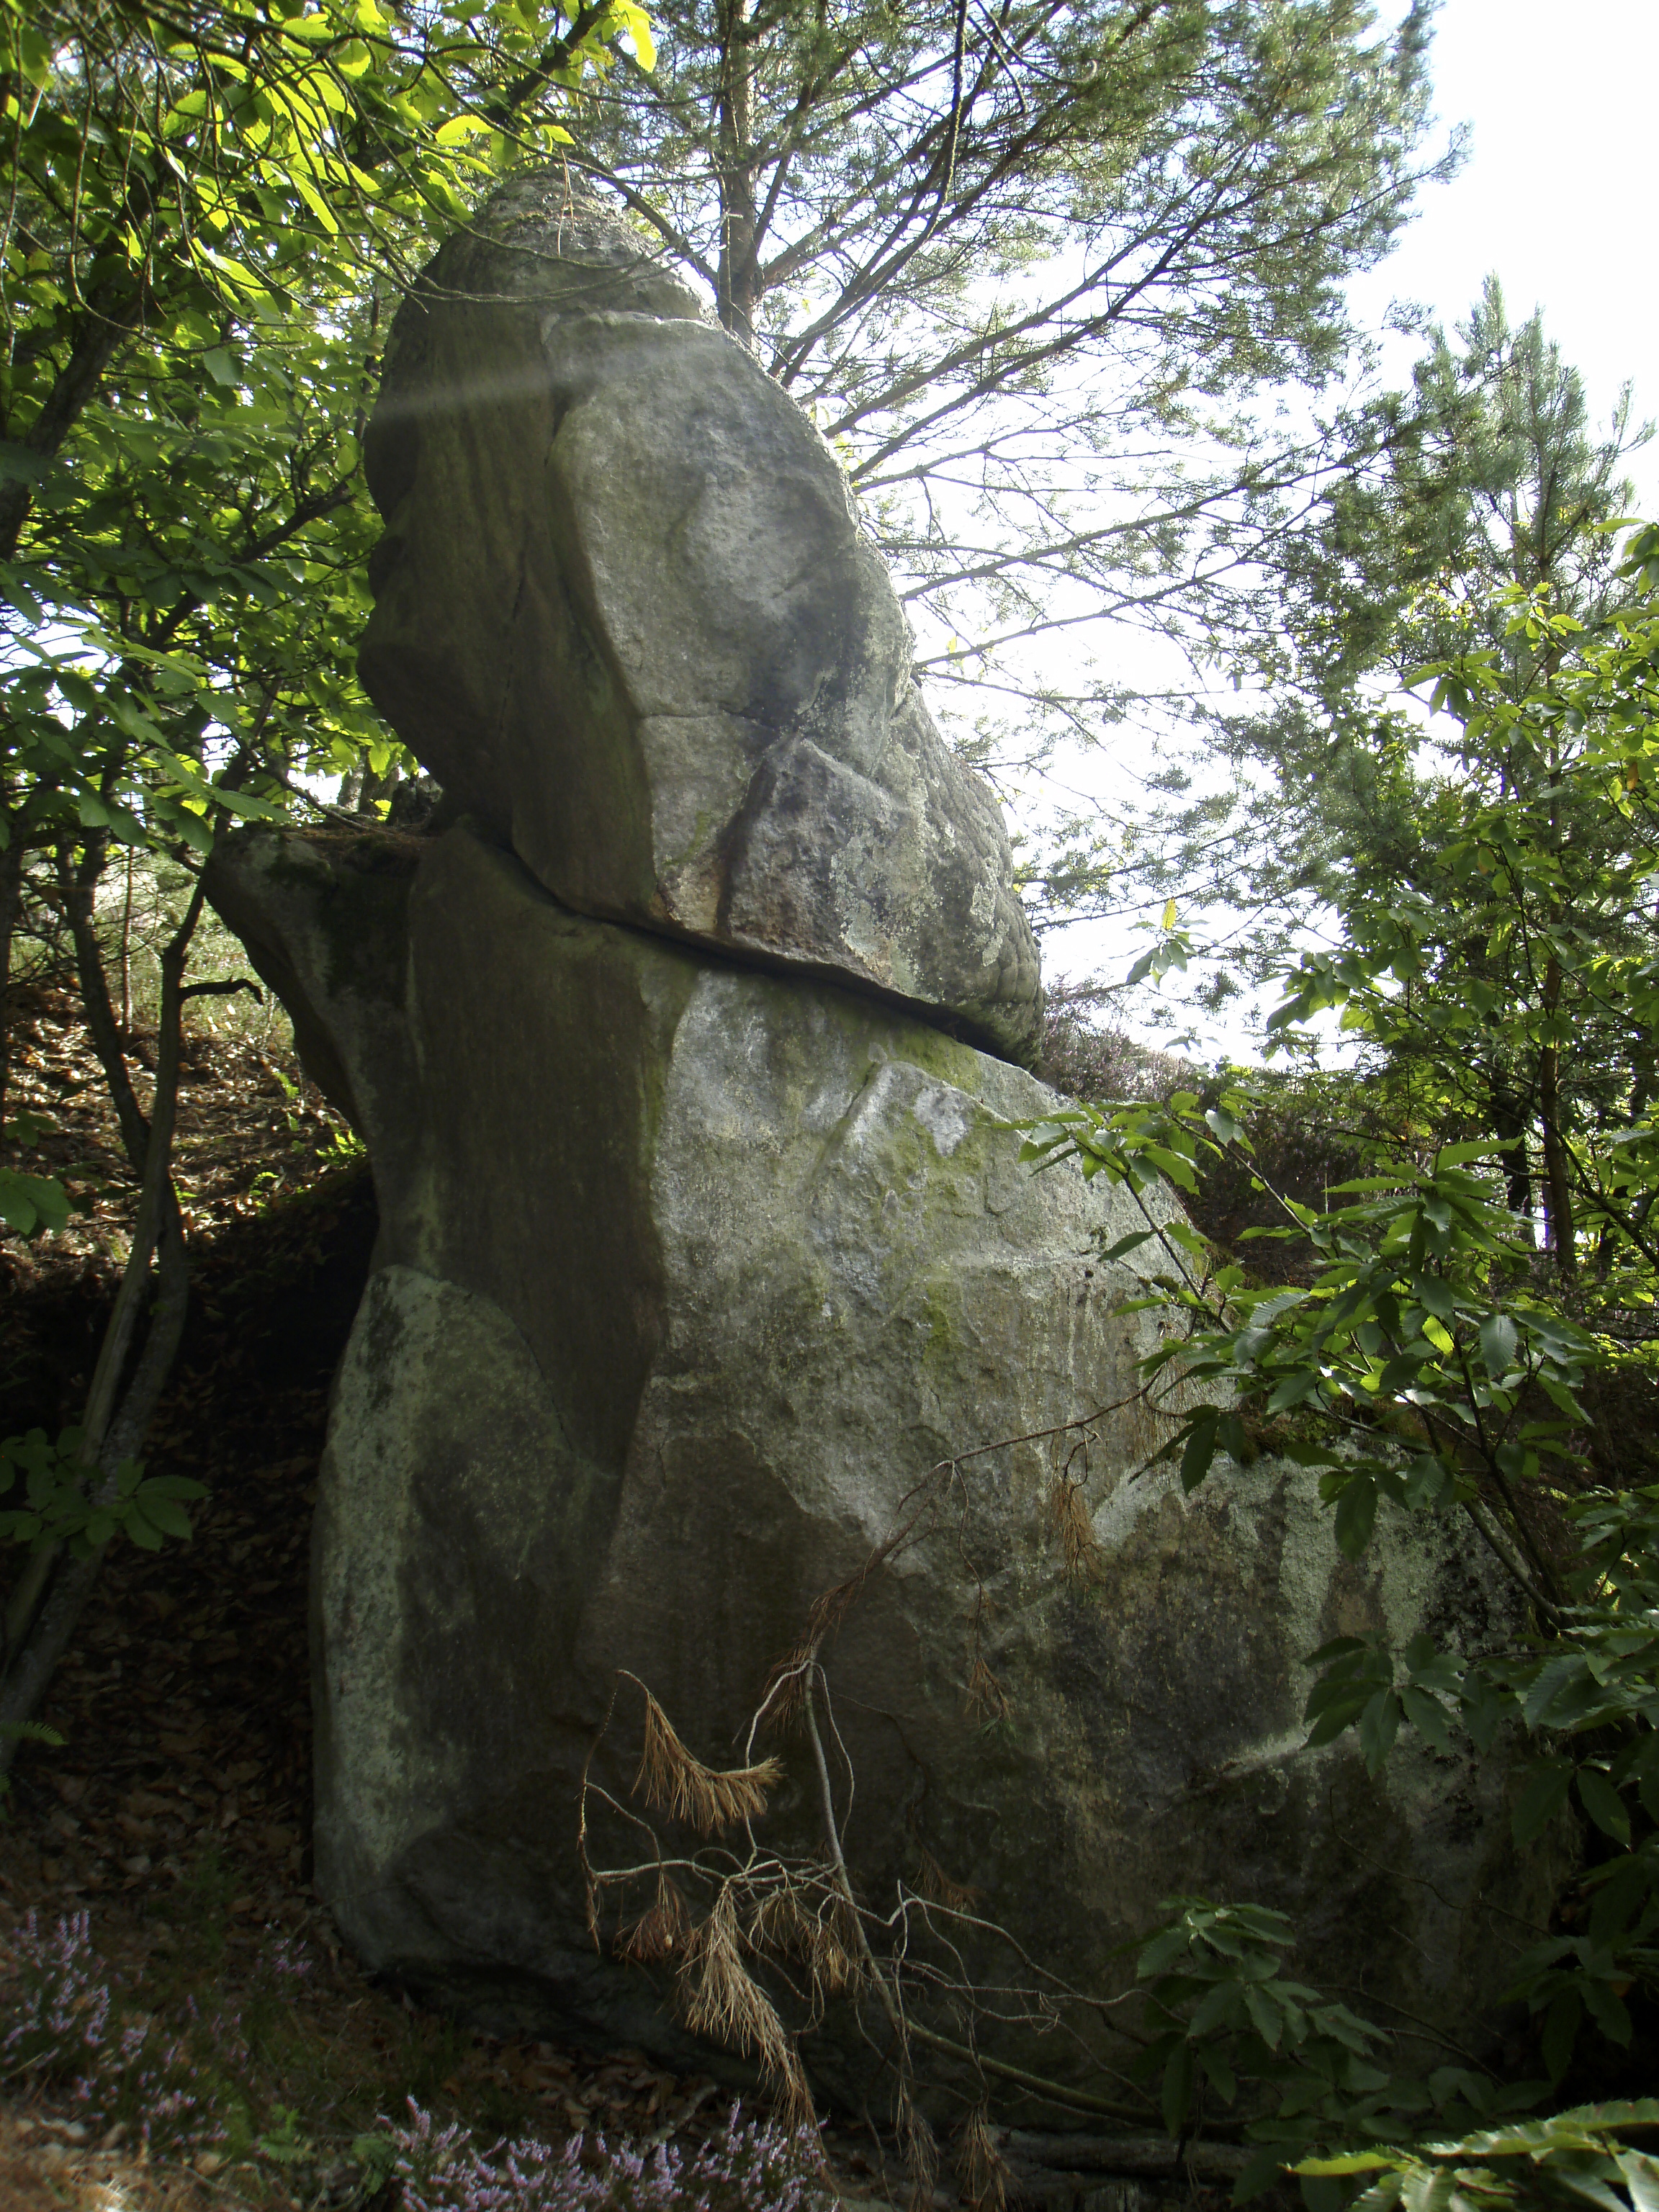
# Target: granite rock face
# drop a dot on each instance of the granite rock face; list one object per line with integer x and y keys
{"x": 704, "y": 1242}
{"x": 624, "y": 614}
{"x": 688, "y": 1274}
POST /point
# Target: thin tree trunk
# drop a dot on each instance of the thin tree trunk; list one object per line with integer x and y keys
{"x": 79, "y": 886}
{"x": 116, "y": 1417}
{"x": 11, "y": 897}
{"x": 738, "y": 292}
{"x": 1510, "y": 1116}
{"x": 44, "y": 1639}
{"x": 126, "y": 953}
{"x": 1557, "y": 1188}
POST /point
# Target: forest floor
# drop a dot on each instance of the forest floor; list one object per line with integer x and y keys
{"x": 176, "y": 1812}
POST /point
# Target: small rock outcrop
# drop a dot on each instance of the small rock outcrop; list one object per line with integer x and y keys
{"x": 624, "y": 615}
{"x": 705, "y": 1252}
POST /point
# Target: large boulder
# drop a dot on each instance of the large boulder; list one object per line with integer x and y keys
{"x": 625, "y": 613}
{"x": 688, "y": 1276}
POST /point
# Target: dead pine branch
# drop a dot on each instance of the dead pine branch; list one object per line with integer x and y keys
{"x": 920, "y": 2148}
{"x": 938, "y": 1888}
{"x": 981, "y": 2168}
{"x": 707, "y": 1798}
{"x": 661, "y": 1930}
{"x": 806, "y": 1919}
{"x": 797, "y": 1922}
{"x": 718, "y": 1997}
{"x": 1068, "y": 1511}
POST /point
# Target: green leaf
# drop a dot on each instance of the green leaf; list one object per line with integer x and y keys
{"x": 1556, "y": 1684}
{"x": 1641, "y": 2175}
{"x": 1214, "y": 2063}
{"x": 1541, "y": 1799}
{"x": 1223, "y": 2007}
{"x": 1603, "y": 1804}
{"x": 162, "y": 1511}
{"x": 28, "y": 1202}
{"x": 1177, "y": 2095}
{"x": 175, "y": 1485}
{"x": 1356, "y": 1516}
{"x": 1457, "y": 1156}
{"x": 1200, "y": 1448}
{"x": 1125, "y": 1245}
{"x": 1294, "y": 1390}
{"x": 1265, "y": 2015}
{"x": 1162, "y": 1952}
{"x": 1607, "y": 2008}
{"x": 142, "y": 1531}
{"x": 23, "y": 465}
{"x": 1428, "y": 1717}
{"x": 1348, "y": 2161}
{"x": 1378, "y": 1725}
{"x": 1499, "y": 1340}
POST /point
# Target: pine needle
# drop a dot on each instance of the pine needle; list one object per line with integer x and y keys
{"x": 782, "y": 1924}
{"x": 791, "y": 1925}
{"x": 830, "y": 1610}
{"x": 937, "y": 1886}
{"x": 660, "y": 1931}
{"x": 921, "y": 2151}
{"x": 1085, "y": 1561}
{"x": 709, "y": 1799}
{"x": 980, "y": 2165}
{"x": 721, "y": 1998}
{"x": 786, "y": 1690}
{"x": 986, "y": 1695}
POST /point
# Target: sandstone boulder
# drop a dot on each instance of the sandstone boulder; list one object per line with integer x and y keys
{"x": 688, "y": 1275}
{"x": 625, "y": 613}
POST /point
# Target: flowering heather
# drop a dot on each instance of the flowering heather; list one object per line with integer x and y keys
{"x": 288, "y": 1958}
{"x": 60, "y": 2015}
{"x": 751, "y": 2167}
{"x": 61, "y": 2026}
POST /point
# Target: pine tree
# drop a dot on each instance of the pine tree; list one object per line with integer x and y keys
{"x": 1030, "y": 268}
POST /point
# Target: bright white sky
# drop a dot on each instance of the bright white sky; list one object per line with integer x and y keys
{"x": 1554, "y": 197}
{"x": 1560, "y": 100}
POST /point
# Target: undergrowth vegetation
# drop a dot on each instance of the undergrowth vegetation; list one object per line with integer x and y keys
{"x": 1468, "y": 1330}
{"x": 182, "y": 2070}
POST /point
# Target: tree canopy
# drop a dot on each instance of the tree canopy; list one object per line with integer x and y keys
{"x": 202, "y": 210}
{"x": 1485, "y": 476}
{"x": 1030, "y": 268}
